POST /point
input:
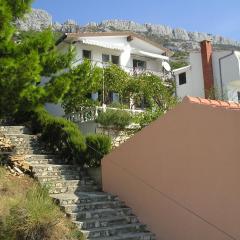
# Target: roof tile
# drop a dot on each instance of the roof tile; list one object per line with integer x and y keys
{"x": 212, "y": 103}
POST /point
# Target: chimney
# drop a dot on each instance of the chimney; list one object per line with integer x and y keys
{"x": 206, "y": 52}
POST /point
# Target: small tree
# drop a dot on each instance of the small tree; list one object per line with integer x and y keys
{"x": 25, "y": 58}
{"x": 85, "y": 79}
{"x": 158, "y": 93}
{"x": 116, "y": 80}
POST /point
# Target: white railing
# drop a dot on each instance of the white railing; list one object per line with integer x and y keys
{"x": 133, "y": 71}
{"x": 91, "y": 113}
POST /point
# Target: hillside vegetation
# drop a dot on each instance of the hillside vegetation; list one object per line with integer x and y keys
{"x": 28, "y": 213}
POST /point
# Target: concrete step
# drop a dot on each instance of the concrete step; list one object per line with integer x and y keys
{"x": 43, "y": 161}
{"x": 21, "y": 136}
{"x": 48, "y": 179}
{"x": 31, "y": 157}
{"x": 105, "y": 222}
{"x": 26, "y": 151}
{"x": 74, "y": 208}
{"x": 38, "y": 168}
{"x": 82, "y": 197}
{"x": 73, "y": 189}
{"x": 72, "y": 183}
{"x": 99, "y": 213}
{"x": 117, "y": 230}
{"x": 128, "y": 236}
{"x": 14, "y": 129}
{"x": 61, "y": 173}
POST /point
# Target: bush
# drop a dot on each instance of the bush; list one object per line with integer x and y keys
{"x": 119, "y": 105}
{"x": 145, "y": 118}
{"x": 98, "y": 145}
{"x": 116, "y": 118}
{"x": 60, "y": 135}
{"x": 32, "y": 218}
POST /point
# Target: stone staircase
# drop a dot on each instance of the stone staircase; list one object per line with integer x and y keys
{"x": 99, "y": 215}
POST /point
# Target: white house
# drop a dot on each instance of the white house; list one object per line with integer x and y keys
{"x": 132, "y": 52}
{"x": 128, "y": 50}
{"x": 210, "y": 72}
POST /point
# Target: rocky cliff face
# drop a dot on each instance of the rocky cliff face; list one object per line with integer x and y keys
{"x": 37, "y": 20}
{"x": 173, "y": 38}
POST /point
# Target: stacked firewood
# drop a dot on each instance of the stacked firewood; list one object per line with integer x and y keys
{"x": 5, "y": 144}
{"x": 19, "y": 163}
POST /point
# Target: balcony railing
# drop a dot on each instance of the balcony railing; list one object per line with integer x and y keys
{"x": 91, "y": 113}
{"x": 133, "y": 71}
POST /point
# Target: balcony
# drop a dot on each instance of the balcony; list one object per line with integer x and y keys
{"x": 165, "y": 76}
{"x": 87, "y": 114}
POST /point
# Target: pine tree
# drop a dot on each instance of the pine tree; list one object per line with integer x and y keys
{"x": 24, "y": 59}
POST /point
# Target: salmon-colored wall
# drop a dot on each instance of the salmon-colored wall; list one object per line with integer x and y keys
{"x": 181, "y": 174}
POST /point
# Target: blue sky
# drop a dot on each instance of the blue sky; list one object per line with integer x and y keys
{"x": 212, "y": 16}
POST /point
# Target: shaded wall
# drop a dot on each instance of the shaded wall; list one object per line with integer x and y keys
{"x": 181, "y": 174}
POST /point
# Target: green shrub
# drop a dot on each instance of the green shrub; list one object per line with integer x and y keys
{"x": 116, "y": 104}
{"x": 98, "y": 145}
{"x": 116, "y": 118}
{"x": 145, "y": 118}
{"x": 60, "y": 135}
{"x": 32, "y": 218}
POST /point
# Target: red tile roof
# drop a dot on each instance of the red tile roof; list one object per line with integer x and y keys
{"x": 213, "y": 103}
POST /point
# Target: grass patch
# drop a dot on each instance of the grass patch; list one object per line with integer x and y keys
{"x": 28, "y": 213}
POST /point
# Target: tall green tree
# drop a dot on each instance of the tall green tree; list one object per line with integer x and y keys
{"x": 24, "y": 60}
{"x": 85, "y": 79}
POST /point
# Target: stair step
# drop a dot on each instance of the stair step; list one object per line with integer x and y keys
{"x": 99, "y": 213}
{"x": 67, "y": 172}
{"x": 82, "y": 197}
{"x": 31, "y": 157}
{"x": 55, "y": 167}
{"x": 47, "y": 179}
{"x": 43, "y": 161}
{"x": 71, "y": 183}
{"x": 93, "y": 206}
{"x": 113, "y": 230}
{"x": 15, "y": 129}
{"x": 20, "y": 135}
{"x": 129, "y": 236}
{"x": 105, "y": 222}
{"x": 73, "y": 189}
{"x": 30, "y": 151}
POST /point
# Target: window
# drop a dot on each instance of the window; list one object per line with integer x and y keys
{"x": 139, "y": 64}
{"x": 238, "y": 95}
{"x": 87, "y": 54}
{"x": 105, "y": 58}
{"x": 182, "y": 78}
{"x": 115, "y": 59}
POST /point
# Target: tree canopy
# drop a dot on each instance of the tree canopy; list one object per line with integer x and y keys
{"x": 25, "y": 59}
{"x": 157, "y": 94}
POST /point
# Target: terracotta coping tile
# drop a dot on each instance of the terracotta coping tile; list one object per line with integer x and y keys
{"x": 212, "y": 103}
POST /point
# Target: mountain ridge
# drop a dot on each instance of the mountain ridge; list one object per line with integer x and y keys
{"x": 177, "y": 39}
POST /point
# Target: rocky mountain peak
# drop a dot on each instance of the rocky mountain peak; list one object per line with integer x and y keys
{"x": 173, "y": 38}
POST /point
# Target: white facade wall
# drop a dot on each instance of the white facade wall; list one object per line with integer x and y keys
{"x": 197, "y": 81}
{"x": 124, "y": 52}
{"x": 182, "y": 90}
{"x": 230, "y": 68}
{"x": 125, "y": 56}
{"x": 194, "y": 83}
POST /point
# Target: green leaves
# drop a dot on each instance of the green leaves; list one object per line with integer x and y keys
{"x": 115, "y": 79}
{"x": 84, "y": 79}
{"x": 98, "y": 145}
{"x": 24, "y": 59}
{"x": 116, "y": 118}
